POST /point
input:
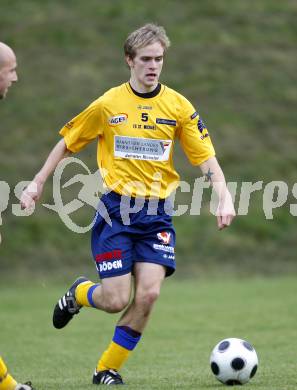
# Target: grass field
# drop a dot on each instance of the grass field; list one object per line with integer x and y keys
{"x": 189, "y": 319}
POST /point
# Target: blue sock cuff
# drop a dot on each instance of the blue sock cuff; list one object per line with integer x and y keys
{"x": 90, "y": 294}
{"x": 125, "y": 339}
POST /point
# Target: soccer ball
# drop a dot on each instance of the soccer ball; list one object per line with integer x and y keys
{"x": 234, "y": 361}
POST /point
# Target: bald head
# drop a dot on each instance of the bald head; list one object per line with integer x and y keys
{"x": 7, "y": 69}
{"x": 6, "y": 53}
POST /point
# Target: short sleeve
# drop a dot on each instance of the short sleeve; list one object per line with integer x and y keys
{"x": 83, "y": 128}
{"x": 193, "y": 135}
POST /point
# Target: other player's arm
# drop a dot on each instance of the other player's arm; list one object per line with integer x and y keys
{"x": 213, "y": 173}
{"x": 34, "y": 190}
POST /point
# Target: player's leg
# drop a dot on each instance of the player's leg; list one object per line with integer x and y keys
{"x": 112, "y": 253}
{"x": 131, "y": 325}
{"x": 147, "y": 291}
{"x": 7, "y": 382}
{"x": 112, "y": 296}
{"x": 155, "y": 260}
{"x": 153, "y": 249}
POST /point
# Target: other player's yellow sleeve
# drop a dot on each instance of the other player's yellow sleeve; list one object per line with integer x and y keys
{"x": 193, "y": 135}
{"x": 84, "y": 128}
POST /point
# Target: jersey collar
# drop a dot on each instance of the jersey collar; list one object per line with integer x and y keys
{"x": 147, "y": 95}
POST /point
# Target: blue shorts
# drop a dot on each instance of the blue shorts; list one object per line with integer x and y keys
{"x": 132, "y": 237}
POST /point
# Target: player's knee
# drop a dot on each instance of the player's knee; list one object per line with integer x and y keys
{"x": 152, "y": 296}
{"x": 115, "y": 304}
{"x": 148, "y": 296}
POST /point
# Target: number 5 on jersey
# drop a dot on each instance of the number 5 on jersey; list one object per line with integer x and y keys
{"x": 144, "y": 117}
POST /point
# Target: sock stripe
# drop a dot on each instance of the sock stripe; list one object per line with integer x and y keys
{"x": 90, "y": 294}
{"x": 125, "y": 339}
{"x": 130, "y": 331}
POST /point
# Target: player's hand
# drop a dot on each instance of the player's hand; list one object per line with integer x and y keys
{"x": 31, "y": 194}
{"x": 225, "y": 212}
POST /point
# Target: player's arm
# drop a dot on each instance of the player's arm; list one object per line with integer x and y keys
{"x": 77, "y": 133}
{"x": 213, "y": 172}
{"x": 196, "y": 143}
{"x": 34, "y": 190}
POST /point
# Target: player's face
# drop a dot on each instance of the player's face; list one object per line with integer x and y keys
{"x": 146, "y": 67}
{"x": 8, "y": 75}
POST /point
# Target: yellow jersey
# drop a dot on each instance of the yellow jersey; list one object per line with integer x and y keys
{"x": 136, "y": 135}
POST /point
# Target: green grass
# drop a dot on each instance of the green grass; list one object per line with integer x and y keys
{"x": 189, "y": 319}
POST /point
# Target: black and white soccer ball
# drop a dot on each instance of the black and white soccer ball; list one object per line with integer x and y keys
{"x": 233, "y": 361}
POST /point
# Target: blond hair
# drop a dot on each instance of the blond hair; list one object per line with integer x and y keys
{"x": 144, "y": 36}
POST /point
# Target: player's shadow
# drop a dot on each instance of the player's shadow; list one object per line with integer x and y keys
{"x": 219, "y": 386}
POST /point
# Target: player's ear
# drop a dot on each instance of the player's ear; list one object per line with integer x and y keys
{"x": 129, "y": 61}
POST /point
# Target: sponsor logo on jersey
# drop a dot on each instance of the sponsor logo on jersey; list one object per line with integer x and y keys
{"x": 165, "y": 145}
{"x": 69, "y": 125}
{"x": 164, "y": 237}
{"x": 193, "y": 116}
{"x": 106, "y": 256}
{"x": 169, "y": 257}
{"x": 108, "y": 266}
{"x": 109, "y": 260}
{"x": 201, "y": 125}
{"x": 164, "y": 248}
{"x": 142, "y": 148}
{"x": 140, "y": 107}
{"x": 118, "y": 119}
{"x": 162, "y": 121}
{"x": 204, "y": 136}
{"x": 202, "y": 128}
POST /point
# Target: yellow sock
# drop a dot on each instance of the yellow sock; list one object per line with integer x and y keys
{"x": 3, "y": 369}
{"x": 83, "y": 293}
{"x": 113, "y": 358}
{"x": 6, "y": 381}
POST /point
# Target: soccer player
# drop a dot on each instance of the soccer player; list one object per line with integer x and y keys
{"x": 8, "y": 76}
{"x": 136, "y": 125}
